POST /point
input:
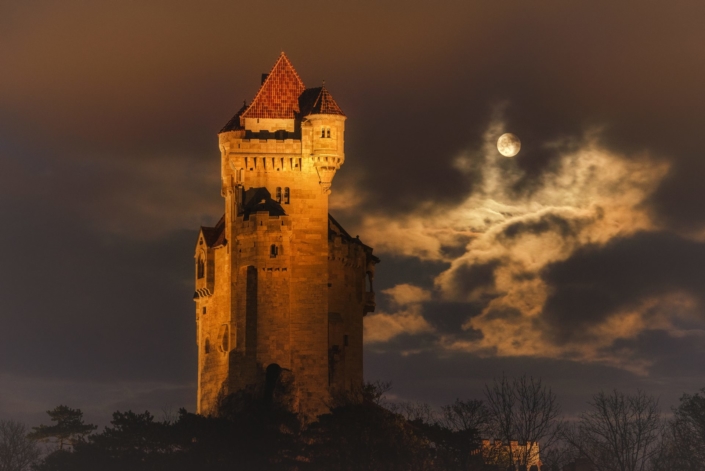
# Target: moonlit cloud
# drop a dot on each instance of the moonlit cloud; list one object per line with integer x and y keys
{"x": 503, "y": 236}
{"x": 407, "y": 319}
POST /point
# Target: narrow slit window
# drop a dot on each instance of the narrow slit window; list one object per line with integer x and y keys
{"x": 273, "y": 251}
{"x": 286, "y": 195}
{"x": 279, "y": 194}
{"x": 201, "y": 268}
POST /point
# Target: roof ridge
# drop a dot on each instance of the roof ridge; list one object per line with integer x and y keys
{"x": 286, "y": 66}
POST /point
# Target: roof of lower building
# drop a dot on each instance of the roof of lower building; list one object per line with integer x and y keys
{"x": 335, "y": 229}
{"x": 234, "y": 124}
{"x": 215, "y": 236}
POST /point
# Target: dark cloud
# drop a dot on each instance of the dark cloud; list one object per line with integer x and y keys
{"x": 547, "y": 223}
{"x": 597, "y": 282}
{"x": 471, "y": 277}
{"x": 426, "y": 377}
{"x": 449, "y": 317}
{"x": 85, "y": 306}
{"x": 406, "y": 270}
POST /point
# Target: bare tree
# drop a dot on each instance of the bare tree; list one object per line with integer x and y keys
{"x": 414, "y": 411}
{"x": 619, "y": 432}
{"x": 17, "y": 452}
{"x": 525, "y": 411}
{"x": 684, "y": 440}
{"x": 466, "y": 415}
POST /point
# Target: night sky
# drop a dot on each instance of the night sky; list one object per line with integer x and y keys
{"x": 581, "y": 260}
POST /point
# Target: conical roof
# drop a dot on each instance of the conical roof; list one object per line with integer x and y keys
{"x": 278, "y": 97}
{"x": 318, "y": 101}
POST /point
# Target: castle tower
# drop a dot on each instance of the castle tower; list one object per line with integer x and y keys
{"x": 281, "y": 287}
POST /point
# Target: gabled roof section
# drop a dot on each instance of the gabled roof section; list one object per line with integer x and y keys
{"x": 318, "y": 101}
{"x": 335, "y": 229}
{"x": 278, "y": 97}
{"x": 234, "y": 123}
{"x": 214, "y": 236}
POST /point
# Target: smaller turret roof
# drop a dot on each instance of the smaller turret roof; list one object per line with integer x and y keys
{"x": 318, "y": 101}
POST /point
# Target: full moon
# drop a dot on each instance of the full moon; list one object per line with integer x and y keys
{"x": 508, "y": 145}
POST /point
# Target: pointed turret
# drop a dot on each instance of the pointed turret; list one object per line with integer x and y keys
{"x": 318, "y": 101}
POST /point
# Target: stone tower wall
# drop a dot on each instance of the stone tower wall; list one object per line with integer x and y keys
{"x": 279, "y": 287}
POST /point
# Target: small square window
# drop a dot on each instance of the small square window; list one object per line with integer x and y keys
{"x": 204, "y": 309}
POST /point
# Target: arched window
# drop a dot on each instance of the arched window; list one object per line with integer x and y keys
{"x": 279, "y": 194}
{"x": 323, "y": 132}
{"x": 286, "y": 195}
{"x": 272, "y": 374}
{"x": 201, "y": 268}
{"x": 273, "y": 251}
{"x": 328, "y": 132}
{"x": 224, "y": 337}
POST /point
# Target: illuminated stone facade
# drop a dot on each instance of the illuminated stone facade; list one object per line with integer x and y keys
{"x": 281, "y": 288}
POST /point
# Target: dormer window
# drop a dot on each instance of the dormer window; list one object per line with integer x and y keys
{"x": 273, "y": 251}
{"x": 201, "y": 267}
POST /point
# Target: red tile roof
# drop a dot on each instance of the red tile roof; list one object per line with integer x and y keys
{"x": 318, "y": 101}
{"x": 278, "y": 97}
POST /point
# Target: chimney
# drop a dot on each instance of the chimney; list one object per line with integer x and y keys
{"x": 264, "y": 77}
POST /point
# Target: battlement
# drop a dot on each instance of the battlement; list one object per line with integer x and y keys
{"x": 261, "y": 221}
{"x": 236, "y": 142}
